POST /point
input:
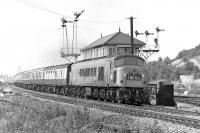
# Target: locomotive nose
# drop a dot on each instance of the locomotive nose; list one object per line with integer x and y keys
{"x": 131, "y": 77}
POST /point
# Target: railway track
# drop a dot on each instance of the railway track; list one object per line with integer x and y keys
{"x": 160, "y": 113}
{"x": 149, "y": 108}
{"x": 187, "y": 99}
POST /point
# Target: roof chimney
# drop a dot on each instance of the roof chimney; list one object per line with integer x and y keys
{"x": 119, "y": 29}
{"x": 101, "y": 35}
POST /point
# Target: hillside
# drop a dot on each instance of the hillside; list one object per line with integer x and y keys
{"x": 189, "y": 53}
{"x": 187, "y": 62}
{"x": 182, "y": 62}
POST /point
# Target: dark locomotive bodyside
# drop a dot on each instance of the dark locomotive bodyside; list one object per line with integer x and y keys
{"x": 118, "y": 78}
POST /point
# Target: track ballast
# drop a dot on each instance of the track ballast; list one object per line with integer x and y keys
{"x": 160, "y": 113}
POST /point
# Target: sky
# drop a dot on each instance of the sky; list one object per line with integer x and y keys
{"x": 31, "y": 34}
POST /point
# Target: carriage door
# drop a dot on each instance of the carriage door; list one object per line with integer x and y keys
{"x": 109, "y": 68}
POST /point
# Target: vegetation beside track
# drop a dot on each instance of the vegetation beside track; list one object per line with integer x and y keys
{"x": 25, "y": 114}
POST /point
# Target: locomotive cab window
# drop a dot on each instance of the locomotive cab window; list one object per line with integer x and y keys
{"x": 128, "y": 60}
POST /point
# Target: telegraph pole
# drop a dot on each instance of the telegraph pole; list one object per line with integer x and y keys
{"x": 131, "y": 31}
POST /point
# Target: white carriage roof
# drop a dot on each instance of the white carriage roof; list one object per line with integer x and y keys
{"x": 57, "y": 66}
{"x": 117, "y": 38}
{"x": 47, "y": 68}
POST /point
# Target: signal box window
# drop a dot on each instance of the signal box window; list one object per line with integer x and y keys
{"x": 121, "y": 51}
{"x": 110, "y": 51}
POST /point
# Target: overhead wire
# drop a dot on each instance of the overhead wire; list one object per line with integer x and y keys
{"x": 42, "y": 8}
{"x": 101, "y": 21}
{"x": 74, "y": 35}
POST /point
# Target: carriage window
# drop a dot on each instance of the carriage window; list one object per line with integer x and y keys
{"x": 94, "y": 71}
{"x": 88, "y": 72}
{"x": 100, "y": 73}
{"x": 81, "y": 72}
{"x": 115, "y": 76}
{"x": 56, "y": 75}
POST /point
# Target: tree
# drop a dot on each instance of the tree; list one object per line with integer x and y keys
{"x": 185, "y": 59}
{"x": 166, "y": 72}
{"x": 167, "y": 60}
{"x": 189, "y": 68}
{"x": 159, "y": 60}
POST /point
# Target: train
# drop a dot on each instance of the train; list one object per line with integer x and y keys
{"x": 119, "y": 79}
{"x": 109, "y": 72}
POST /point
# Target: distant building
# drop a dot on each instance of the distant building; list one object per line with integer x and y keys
{"x": 1, "y": 80}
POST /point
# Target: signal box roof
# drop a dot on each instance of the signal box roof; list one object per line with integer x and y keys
{"x": 117, "y": 38}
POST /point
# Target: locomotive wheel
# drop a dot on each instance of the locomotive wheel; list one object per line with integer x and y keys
{"x": 66, "y": 92}
{"x": 119, "y": 101}
{"x": 62, "y": 92}
{"x": 113, "y": 100}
